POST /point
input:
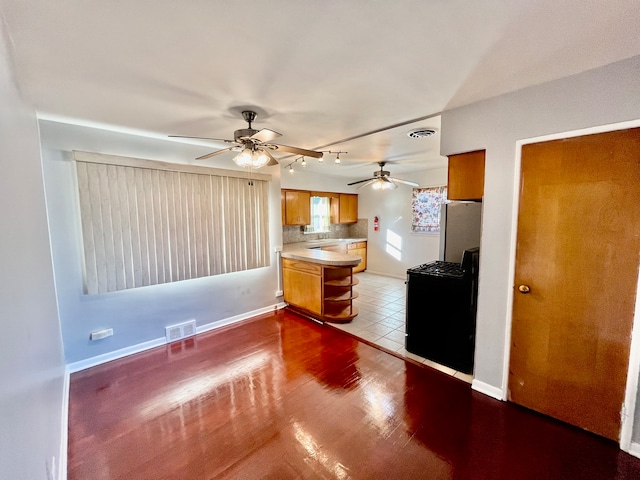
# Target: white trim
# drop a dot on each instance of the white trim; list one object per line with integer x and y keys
{"x": 158, "y": 342}
{"x": 634, "y": 449}
{"x": 631, "y": 390}
{"x": 64, "y": 434}
{"x": 486, "y": 389}
{"x": 238, "y": 318}
{"x": 122, "y": 161}
{"x": 115, "y": 355}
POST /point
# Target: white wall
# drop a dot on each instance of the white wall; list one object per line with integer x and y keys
{"x": 393, "y": 209}
{"x": 302, "y": 180}
{"x": 31, "y": 361}
{"x": 599, "y": 97}
{"x": 138, "y": 316}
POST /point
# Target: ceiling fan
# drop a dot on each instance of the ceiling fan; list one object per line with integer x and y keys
{"x": 254, "y": 145}
{"x": 381, "y": 180}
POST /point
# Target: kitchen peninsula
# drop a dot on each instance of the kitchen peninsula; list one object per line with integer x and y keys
{"x": 319, "y": 282}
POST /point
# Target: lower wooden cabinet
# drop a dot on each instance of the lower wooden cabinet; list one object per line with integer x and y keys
{"x": 321, "y": 291}
{"x": 302, "y": 283}
{"x": 360, "y": 249}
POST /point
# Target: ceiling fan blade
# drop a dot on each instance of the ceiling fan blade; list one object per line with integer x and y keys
{"x": 360, "y": 181}
{"x": 265, "y": 135}
{"x": 406, "y": 182}
{"x": 368, "y": 182}
{"x": 273, "y": 161}
{"x": 204, "y": 138}
{"x": 213, "y": 154}
{"x": 297, "y": 151}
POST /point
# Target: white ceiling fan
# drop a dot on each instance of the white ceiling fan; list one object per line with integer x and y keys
{"x": 254, "y": 145}
{"x": 382, "y": 180}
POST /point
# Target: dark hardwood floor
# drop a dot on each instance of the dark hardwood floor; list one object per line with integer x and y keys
{"x": 281, "y": 397}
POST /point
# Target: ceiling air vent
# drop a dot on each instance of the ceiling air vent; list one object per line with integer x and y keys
{"x": 421, "y": 132}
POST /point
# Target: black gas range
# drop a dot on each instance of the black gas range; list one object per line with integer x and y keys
{"x": 441, "y": 311}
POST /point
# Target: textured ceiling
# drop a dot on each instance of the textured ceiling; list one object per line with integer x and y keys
{"x": 317, "y": 72}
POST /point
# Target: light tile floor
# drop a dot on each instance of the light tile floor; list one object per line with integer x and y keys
{"x": 381, "y": 320}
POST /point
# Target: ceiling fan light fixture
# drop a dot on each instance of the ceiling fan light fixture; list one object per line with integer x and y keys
{"x": 254, "y": 158}
{"x": 381, "y": 183}
{"x": 244, "y": 158}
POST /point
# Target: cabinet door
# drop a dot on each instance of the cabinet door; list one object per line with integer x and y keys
{"x": 302, "y": 284}
{"x": 362, "y": 253}
{"x": 297, "y": 207}
{"x": 466, "y": 176}
{"x": 348, "y": 208}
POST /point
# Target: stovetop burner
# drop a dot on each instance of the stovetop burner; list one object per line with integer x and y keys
{"x": 440, "y": 269}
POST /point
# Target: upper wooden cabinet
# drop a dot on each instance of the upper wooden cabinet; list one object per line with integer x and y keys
{"x": 344, "y": 208}
{"x": 466, "y": 176}
{"x": 296, "y": 207}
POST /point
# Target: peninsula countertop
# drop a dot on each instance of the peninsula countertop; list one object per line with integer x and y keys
{"x": 311, "y": 252}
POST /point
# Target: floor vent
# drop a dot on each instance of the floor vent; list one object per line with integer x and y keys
{"x": 180, "y": 331}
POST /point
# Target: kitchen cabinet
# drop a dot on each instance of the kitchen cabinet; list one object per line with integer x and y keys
{"x": 336, "y": 248}
{"x": 466, "y": 176}
{"x": 344, "y": 208}
{"x": 324, "y": 292}
{"x": 296, "y": 207}
{"x": 360, "y": 249}
{"x": 302, "y": 284}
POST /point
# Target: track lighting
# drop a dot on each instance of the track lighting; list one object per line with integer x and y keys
{"x": 337, "y": 158}
{"x": 291, "y": 170}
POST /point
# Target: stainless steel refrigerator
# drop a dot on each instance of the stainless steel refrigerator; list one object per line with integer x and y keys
{"x": 460, "y": 224}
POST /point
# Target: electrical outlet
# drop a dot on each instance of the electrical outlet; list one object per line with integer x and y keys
{"x": 180, "y": 331}
{"x": 100, "y": 334}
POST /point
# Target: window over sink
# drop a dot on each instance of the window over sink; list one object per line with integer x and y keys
{"x": 320, "y": 215}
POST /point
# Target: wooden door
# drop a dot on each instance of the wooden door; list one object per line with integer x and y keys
{"x": 577, "y": 251}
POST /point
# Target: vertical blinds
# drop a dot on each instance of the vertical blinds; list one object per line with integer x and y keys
{"x": 145, "y": 226}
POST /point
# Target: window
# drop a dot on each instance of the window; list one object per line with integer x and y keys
{"x": 147, "y": 222}
{"x": 320, "y": 215}
{"x": 425, "y": 209}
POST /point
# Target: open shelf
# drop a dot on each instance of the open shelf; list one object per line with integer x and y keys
{"x": 342, "y": 282}
{"x": 345, "y": 316}
{"x": 346, "y": 296}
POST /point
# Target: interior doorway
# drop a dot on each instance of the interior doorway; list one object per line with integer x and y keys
{"x": 576, "y": 276}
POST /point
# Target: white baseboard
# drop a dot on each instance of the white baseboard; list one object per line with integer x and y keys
{"x": 115, "y": 355}
{"x": 158, "y": 342}
{"x": 238, "y": 318}
{"x": 487, "y": 389}
{"x": 64, "y": 433}
{"x": 634, "y": 449}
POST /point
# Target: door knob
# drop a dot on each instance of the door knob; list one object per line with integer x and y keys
{"x": 524, "y": 289}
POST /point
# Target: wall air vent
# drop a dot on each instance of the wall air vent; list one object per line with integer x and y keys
{"x": 422, "y": 132}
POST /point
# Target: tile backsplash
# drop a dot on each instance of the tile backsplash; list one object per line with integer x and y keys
{"x": 354, "y": 230}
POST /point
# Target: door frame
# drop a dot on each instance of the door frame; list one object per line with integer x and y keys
{"x": 631, "y": 389}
